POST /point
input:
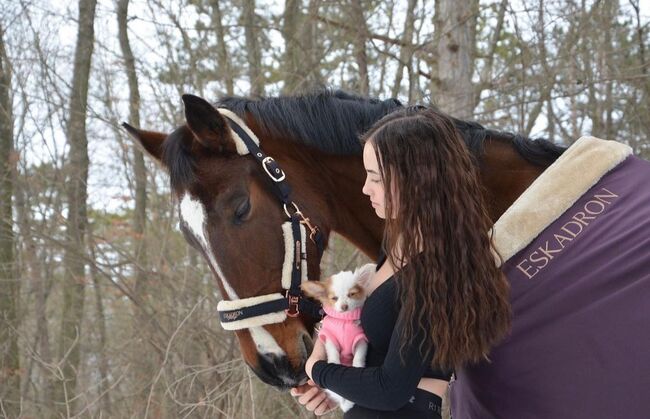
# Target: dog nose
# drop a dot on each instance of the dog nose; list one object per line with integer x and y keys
{"x": 344, "y": 307}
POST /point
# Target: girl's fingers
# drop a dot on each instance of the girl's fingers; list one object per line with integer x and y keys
{"x": 301, "y": 389}
{"x": 313, "y": 398}
{"x": 316, "y": 401}
{"x": 327, "y": 406}
{"x": 297, "y": 391}
{"x": 308, "y": 395}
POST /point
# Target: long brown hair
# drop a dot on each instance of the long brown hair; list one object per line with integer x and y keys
{"x": 437, "y": 236}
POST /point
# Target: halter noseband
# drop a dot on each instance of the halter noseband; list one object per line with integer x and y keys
{"x": 274, "y": 308}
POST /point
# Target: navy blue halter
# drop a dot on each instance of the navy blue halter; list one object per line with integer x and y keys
{"x": 294, "y": 302}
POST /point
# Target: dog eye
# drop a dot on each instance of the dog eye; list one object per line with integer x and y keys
{"x": 352, "y": 294}
{"x": 335, "y": 298}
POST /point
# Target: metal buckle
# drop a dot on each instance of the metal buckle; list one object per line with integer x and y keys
{"x": 294, "y": 307}
{"x": 279, "y": 172}
{"x": 313, "y": 230}
{"x": 296, "y": 210}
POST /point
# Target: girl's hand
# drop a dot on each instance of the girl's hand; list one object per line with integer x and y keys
{"x": 314, "y": 398}
{"x": 317, "y": 354}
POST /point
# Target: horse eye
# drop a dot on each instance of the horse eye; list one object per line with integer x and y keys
{"x": 242, "y": 211}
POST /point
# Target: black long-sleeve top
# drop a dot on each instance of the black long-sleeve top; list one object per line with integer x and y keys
{"x": 386, "y": 383}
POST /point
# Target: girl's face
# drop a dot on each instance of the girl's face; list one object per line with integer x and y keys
{"x": 374, "y": 186}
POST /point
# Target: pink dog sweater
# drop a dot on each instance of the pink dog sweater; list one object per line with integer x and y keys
{"x": 343, "y": 330}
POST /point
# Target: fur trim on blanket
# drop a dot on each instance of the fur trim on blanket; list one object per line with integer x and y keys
{"x": 555, "y": 191}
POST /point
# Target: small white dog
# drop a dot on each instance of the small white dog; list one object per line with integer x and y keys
{"x": 342, "y": 296}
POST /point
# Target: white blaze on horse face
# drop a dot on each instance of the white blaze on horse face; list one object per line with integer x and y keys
{"x": 193, "y": 215}
{"x": 265, "y": 342}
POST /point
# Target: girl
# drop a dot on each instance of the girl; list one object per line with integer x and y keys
{"x": 437, "y": 299}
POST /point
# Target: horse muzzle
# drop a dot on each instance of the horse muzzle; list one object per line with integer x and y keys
{"x": 277, "y": 371}
{"x": 282, "y": 372}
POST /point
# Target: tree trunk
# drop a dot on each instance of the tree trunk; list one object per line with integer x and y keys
{"x": 140, "y": 171}
{"x": 359, "y": 46}
{"x": 139, "y": 222}
{"x": 293, "y": 53}
{"x": 76, "y": 223}
{"x": 103, "y": 368}
{"x": 222, "y": 49}
{"x": 406, "y": 52}
{"x": 254, "y": 56}
{"x": 610, "y": 13}
{"x": 313, "y": 51}
{"x": 9, "y": 357}
{"x": 455, "y": 31}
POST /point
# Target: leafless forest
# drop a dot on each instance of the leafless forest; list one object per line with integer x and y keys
{"x": 105, "y": 311}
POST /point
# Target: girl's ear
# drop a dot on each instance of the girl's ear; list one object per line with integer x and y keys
{"x": 364, "y": 273}
{"x": 314, "y": 289}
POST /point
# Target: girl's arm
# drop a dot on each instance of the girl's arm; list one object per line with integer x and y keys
{"x": 388, "y": 387}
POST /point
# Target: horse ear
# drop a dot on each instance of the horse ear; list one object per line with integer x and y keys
{"x": 208, "y": 126}
{"x": 151, "y": 141}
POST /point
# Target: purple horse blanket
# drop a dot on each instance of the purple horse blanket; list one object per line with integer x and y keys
{"x": 576, "y": 247}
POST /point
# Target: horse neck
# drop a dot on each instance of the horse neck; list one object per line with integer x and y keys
{"x": 354, "y": 217}
{"x": 330, "y": 185}
{"x": 505, "y": 175}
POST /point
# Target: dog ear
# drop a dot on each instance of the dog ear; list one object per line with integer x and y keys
{"x": 364, "y": 273}
{"x": 314, "y": 289}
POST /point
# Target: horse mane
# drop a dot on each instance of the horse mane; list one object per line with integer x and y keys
{"x": 332, "y": 121}
{"x": 328, "y": 120}
{"x": 539, "y": 152}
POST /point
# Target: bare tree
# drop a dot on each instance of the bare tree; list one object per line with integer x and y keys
{"x": 292, "y": 50}
{"x": 406, "y": 52}
{"x": 77, "y": 219}
{"x": 254, "y": 55}
{"x": 455, "y": 28}
{"x": 222, "y": 48}
{"x": 9, "y": 357}
{"x": 360, "y": 37}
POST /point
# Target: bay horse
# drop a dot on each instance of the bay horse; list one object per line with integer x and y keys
{"x": 230, "y": 213}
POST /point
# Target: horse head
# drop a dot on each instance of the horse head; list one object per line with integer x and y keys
{"x": 229, "y": 213}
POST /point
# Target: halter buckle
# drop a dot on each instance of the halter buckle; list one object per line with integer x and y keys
{"x": 294, "y": 307}
{"x": 279, "y": 175}
{"x": 313, "y": 230}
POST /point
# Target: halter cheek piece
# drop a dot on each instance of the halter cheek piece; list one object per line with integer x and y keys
{"x": 274, "y": 308}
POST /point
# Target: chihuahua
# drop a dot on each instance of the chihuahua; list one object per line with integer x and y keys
{"x": 342, "y": 296}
